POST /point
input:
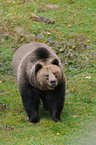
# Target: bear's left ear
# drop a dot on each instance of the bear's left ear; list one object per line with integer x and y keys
{"x": 38, "y": 67}
{"x": 55, "y": 62}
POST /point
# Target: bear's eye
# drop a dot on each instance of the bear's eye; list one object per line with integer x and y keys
{"x": 47, "y": 76}
{"x": 55, "y": 74}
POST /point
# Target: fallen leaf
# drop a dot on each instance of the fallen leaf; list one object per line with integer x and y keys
{"x": 58, "y": 133}
{"x": 88, "y": 77}
{"x": 48, "y": 33}
{"x": 26, "y": 118}
{"x": 22, "y": 39}
{"x": 69, "y": 25}
{"x": 75, "y": 116}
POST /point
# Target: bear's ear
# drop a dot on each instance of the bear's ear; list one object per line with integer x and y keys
{"x": 55, "y": 62}
{"x": 38, "y": 67}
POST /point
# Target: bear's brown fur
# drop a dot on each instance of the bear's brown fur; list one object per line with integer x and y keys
{"x": 39, "y": 75}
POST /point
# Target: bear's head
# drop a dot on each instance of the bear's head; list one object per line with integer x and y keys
{"x": 48, "y": 76}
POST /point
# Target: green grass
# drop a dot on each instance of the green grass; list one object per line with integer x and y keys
{"x": 76, "y": 47}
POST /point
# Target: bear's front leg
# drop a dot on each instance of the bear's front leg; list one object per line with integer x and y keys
{"x": 55, "y": 101}
{"x": 30, "y": 101}
{"x": 55, "y": 110}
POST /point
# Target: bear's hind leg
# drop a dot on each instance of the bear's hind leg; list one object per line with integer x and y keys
{"x": 44, "y": 103}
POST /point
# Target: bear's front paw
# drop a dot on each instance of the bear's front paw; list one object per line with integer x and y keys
{"x": 55, "y": 118}
{"x": 34, "y": 119}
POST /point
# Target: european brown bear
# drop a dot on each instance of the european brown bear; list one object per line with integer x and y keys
{"x": 39, "y": 75}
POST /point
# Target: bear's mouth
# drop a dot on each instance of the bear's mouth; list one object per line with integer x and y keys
{"x": 51, "y": 87}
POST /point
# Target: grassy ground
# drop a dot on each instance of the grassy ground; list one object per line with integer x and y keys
{"x": 73, "y": 38}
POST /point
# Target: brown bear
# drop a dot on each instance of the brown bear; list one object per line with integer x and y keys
{"x": 39, "y": 75}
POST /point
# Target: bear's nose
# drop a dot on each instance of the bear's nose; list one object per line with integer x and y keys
{"x": 53, "y": 82}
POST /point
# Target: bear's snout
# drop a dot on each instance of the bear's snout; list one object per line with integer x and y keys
{"x": 53, "y": 82}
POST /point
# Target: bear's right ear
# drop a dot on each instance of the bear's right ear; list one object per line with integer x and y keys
{"x": 55, "y": 62}
{"x": 38, "y": 67}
